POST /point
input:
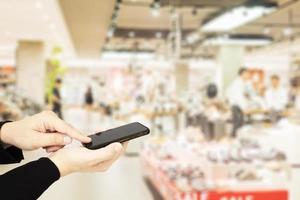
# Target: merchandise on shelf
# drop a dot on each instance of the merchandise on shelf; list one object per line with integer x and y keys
{"x": 190, "y": 165}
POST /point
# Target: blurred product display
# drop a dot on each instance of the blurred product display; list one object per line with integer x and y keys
{"x": 14, "y": 107}
{"x": 188, "y": 164}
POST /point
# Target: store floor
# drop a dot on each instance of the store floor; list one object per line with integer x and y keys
{"x": 121, "y": 182}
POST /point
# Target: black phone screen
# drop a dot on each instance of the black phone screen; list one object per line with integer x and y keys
{"x": 119, "y": 134}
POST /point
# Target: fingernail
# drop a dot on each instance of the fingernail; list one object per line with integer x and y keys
{"x": 67, "y": 140}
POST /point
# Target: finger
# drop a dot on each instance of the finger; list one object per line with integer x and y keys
{"x": 52, "y": 139}
{"x": 125, "y": 144}
{"x": 107, "y": 153}
{"x": 102, "y": 166}
{"x": 62, "y": 127}
{"x": 53, "y": 149}
{"x": 106, "y": 164}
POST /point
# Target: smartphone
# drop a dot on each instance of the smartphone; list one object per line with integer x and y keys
{"x": 119, "y": 134}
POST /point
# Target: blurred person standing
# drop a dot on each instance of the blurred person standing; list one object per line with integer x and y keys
{"x": 88, "y": 97}
{"x": 240, "y": 89}
{"x": 257, "y": 97}
{"x": 56, "y": 98}
{"x": 276, "y": 96}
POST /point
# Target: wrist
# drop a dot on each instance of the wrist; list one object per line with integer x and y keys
{"x": 4, "y": 133}
{"x": 61, "y": 165}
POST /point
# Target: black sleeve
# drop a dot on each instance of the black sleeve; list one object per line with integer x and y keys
{"x": 29, "y": 181}
{"x": 9, "y": 154}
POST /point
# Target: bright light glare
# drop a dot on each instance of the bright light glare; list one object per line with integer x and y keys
{"x": 287, "y": 31}
{"x": 193, "y": 38}
{"x": 241, "y": 42}
{"x": 38, "y": 5}
{"x": 236, "y": 17}
{"x": 155, "y": 12}
{"x": 110, "y": 33}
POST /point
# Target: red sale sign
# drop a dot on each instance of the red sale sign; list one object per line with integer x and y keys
{"x": 249, "y": 195}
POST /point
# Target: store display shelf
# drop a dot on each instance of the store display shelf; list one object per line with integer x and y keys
{"x": 170, "y": 192}
{"x": 186, "y": 169}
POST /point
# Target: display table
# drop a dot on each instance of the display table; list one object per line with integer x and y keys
{"x": 284, "y": 136}
{"x": 169, "y": 191}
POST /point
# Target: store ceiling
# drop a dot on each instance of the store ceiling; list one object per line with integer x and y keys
{"x": 88, "y": 21}
{"x": 83, "y": 25}
{"x": 287, "y": 16}
{"x": 135, "y": 16}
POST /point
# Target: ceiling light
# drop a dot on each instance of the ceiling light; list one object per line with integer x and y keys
{"x": 158, "y": 35}
{"x": 266, "y": 31}
{"x": 155, "y": 12}
{"x": 240, "y": 41}
{"x": 131, "y": 34}
{"x": 52, "y": 26}
{"x": 38, "y": 5}
{"x": 111, "y": 32}
{"x": 287, "y": 31}
{"x": 155, "y": 8}
{"x": 236, "y": 17}
{"x": 192, "y": 38}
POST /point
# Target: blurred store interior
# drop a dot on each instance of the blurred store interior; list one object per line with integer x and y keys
{"x": 217, "y": 81}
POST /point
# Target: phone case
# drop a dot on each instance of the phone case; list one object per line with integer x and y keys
{"x": 119, "y": 134}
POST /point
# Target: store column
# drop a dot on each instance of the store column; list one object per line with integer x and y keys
{"x": 230, "y": 60}
{"x": 31, "y": 69}
{"x": 182, "y": 78}
{"x": 182, "y": 86}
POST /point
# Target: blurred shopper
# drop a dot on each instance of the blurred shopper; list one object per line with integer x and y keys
{"x": 56, "y": 99}
{"x": 3, "y": 90}
{"x": 46, "y": 130}
{"x": 257, "y": 97}
{"x": 239, "y": 91}
{"x": 89, "y": 99}
{"x": 276, "y": 96}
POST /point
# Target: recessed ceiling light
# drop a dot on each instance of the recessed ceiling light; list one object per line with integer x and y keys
{"x": 131, "y": 34}
{"x": 287, "y": 31}
{"x": 110, "y": 33}
{"x": 266, "y": 30}
{"x": 158, "y": 35}
{"x": 192, "y": 38}
{"x": 52, "y": 26}
{"x": 38, "y": 5}
{"x": 155, "y": 12}
{"x": 155, "y": 8}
